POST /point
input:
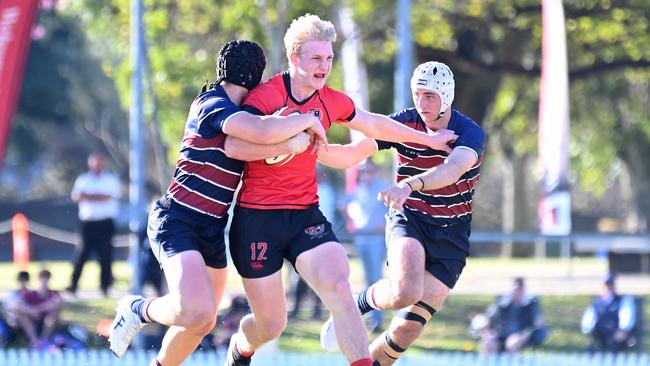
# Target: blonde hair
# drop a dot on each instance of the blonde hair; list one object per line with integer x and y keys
{"x": 306, "y": 28}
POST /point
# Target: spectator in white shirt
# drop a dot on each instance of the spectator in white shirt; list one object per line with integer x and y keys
{"x": 97, "y": 192}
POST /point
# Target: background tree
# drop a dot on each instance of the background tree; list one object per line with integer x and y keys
{"x": 493, "y": 46}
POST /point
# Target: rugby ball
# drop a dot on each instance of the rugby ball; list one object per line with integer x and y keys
{"x": 280, "y": 160}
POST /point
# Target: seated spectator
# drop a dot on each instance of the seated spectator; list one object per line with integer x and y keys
{"x": 22, "y": 315}
{"x": 49, "y": 305}
{"x": 36, "y": 313}
{"x": 6, "y": 333}
{"x": 610, "y": 319}
{"x": 514, "y": 322}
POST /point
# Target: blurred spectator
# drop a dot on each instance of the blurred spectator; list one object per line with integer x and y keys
{"x": 228, "y": 324}
{"x": 22, "y": 315}
{"x": 97, "y": 191}
{"x": 610, "y": 320}
{"x": 49, "y": 305}
{"x": 6, "y": 333}
{"x": 366, "y": 215}
{"x": 513, "y": 322}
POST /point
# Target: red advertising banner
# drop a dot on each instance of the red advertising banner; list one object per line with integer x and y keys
{"x": 16, "y": 20}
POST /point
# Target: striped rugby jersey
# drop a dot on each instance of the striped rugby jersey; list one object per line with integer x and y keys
{"x": 205, "y": 179}
{"x": 449, "y": 205}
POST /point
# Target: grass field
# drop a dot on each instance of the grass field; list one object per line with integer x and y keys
{"x": 448, "y": 331}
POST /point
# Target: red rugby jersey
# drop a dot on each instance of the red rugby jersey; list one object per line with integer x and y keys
{"x": 292, "y": 185}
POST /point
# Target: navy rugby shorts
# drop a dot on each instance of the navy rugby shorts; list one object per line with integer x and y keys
{"x": 446, "y": 247}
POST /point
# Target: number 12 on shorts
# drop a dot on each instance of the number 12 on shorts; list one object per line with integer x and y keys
{"x": 258, "y": 250}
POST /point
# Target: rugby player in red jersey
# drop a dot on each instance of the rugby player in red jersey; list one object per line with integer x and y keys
{"x": 428, "y": 224}
{"x": 186, "y": 226}
{"x": 277, "y": 215}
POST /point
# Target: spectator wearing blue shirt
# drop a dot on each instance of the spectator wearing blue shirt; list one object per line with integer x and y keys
{"x": 515, "y": 321}
{"x": 610, "y": 320}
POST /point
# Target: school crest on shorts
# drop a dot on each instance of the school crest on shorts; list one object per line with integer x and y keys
{"x": 316, "y": 231}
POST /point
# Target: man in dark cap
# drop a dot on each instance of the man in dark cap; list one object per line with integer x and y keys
{"x": 515, "y": 322}
{"x": 610, "y": 320}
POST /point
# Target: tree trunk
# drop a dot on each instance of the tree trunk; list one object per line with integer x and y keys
{"x": 274, "y": 32}
{"x": 634, "y": 154}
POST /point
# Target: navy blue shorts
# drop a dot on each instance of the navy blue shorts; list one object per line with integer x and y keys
{"x": 260, "y": 240}
{"x": 446, "y": 247}
{"x": 173, "y": 229}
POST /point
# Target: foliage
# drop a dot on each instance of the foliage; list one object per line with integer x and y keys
{"x": 67, "y": 108}
{"x": 493, "y": 46}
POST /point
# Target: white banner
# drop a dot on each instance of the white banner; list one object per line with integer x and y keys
{"x": 553, "y": 139}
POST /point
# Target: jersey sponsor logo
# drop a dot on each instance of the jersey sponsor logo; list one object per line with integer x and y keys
{"x": 315, "y": 232}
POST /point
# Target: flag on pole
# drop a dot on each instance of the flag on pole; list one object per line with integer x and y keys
{"x": 553, "y": 138}
{"x": 16, "y": 19}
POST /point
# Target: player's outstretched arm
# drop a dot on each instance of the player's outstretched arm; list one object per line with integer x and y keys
{"x": 247, "y": 151}
{"x": 345, "y": 156}
{"x": 267, "y": 130}
{"x": 382, "y": 127}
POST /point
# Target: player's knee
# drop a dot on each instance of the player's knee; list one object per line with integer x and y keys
{"x": 333, "y": 282}
{"x": 406, "y": 296}
{"x": 342, "y": 286}
{"x": 272, "y": 329}
{"x": 408, "y": 331}
{"x": 197, "y": 315}
{"x": 201, "y": 320}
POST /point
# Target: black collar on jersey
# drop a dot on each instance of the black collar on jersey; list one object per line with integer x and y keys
{"x": 287, "y": 84}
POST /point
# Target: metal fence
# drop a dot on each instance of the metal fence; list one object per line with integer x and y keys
{"x": 21, "y": 357}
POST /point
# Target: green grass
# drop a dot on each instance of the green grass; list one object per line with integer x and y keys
{"x": 447, "y": 331}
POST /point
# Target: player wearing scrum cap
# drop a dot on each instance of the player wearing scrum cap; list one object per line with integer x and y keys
{"x": 277, "y": 215}
{"x": 430, "y": 210}
{"x": 186, "y": 226}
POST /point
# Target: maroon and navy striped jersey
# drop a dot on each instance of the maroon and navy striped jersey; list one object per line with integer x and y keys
{"x": 205, "y": 178}
{"x": 451, "y": 204}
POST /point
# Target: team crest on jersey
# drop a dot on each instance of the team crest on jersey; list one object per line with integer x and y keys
{"x": 315, "y": 112}
{"x": 316, "y": 231}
